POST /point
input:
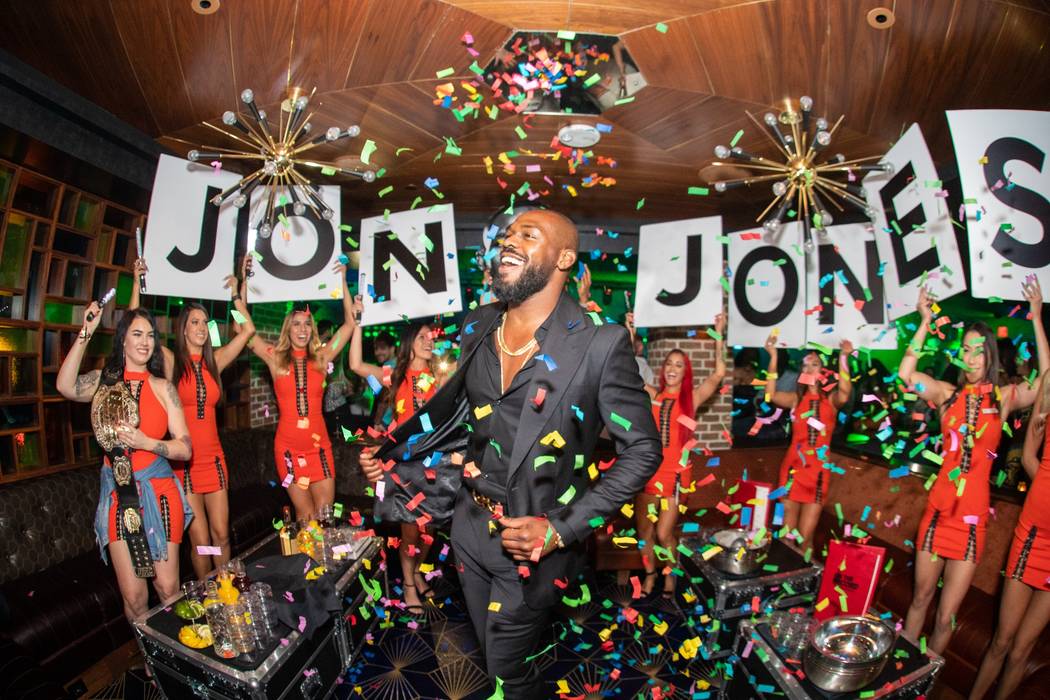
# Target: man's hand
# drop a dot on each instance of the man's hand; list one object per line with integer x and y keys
{"x": 372, "y": 467}
{"x": 583, "y": 286}
{"x": 523, "y": 536}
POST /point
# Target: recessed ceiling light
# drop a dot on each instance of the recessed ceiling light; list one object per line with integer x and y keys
{"x": 579, "y": 135}
{"x": 881, "y": 18}
{"x": 204, "y": 7}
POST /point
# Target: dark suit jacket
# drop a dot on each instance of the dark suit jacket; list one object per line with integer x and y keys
{"x": 595, "y": 378}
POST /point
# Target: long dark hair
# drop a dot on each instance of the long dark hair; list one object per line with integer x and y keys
{"x": 824, "y": 377}
{"x": 113, "y": 371}
{"x": 991, "y": 363}
{"x": 182, "y": 350}
{"x": 404, "y": 355}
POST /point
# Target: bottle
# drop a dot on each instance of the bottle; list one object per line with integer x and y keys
{"x": 287, "y": 533}
{"x": 305, "y": 539}
{"x": 228, "y": 595}
{"x": 240, "y": 577}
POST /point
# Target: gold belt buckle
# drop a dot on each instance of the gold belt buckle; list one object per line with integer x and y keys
{"x": 485, "y": 502}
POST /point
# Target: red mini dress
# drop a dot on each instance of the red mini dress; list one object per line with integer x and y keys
{"x": 954, "y": 522}
{"x": 153, "y": 422}
{"x": 301, "y": 447}
{"x": 416, "y": 389}
{"x": 1029, "y": 560}
{"x": 666, "y": 411}
{"x": 812, "y": 423}
{"x": 206, "y": 471}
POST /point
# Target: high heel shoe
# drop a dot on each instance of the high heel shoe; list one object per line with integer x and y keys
{"x": 416, "y": 610}
{"x": 650, "y": 581}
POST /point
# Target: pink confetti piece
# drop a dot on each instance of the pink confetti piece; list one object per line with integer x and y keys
{"x": 207, "y": 550}
{"x": 302, "y": 624}
{"x": 287, "y": 480}
{"x": 289, "y": 597}
{"x": 216, "y": 166}
{"x": 971, "y": 519}
{"x": 284, "y": 642}
{"x": 747, "y": 649}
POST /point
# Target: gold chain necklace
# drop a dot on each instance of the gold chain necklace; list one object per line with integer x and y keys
{"x": 503, "y": 345}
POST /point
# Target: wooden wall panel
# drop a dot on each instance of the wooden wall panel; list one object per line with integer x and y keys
{"x": 204, "y": 54}
{"x": 857, "y": 56}
{"x": 652, "y": 104}
{"x": 327, "y": 35}
{"x": 445, "y": 50}
{"x": 733, "y": 45}
{"x": 395, "y": 33}
{"x": 669, "y": 60}
{"x": 262, "y": 47}
{"x": 696, "y": 121}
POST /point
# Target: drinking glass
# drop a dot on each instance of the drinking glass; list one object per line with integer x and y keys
{"x": 215, "y": 614}
{"x": 239, "y": 625}
{"x": 263, "y": 610}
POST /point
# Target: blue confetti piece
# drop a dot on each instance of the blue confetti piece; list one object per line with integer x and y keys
{"x": 433, "y": 459}
{"x": 343, "y": 259}
{"x": 603, "y": 128}
{"x": 375, "y": 385}
{"x": 469, "y": 328}
{"x": 778, "y": 492}
{"x": 424, "y": 420}
{"x": 549, "y": 361}
{"x": 579, "y": 269}
{"x": 745, "y": 516}
{"x": 431, "y": 182}
{"x": 899, "y": 472}
{"x": 778, "y": 513}
{"x": 578, "y": 412}
{"x": 714, "y": 461}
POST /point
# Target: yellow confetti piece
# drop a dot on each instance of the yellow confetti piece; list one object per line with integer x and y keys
{"x": 554, "y": 439}
{"x": 711, "y": 552}
{"x": 821, "y": 605}
{"x": 303, "y": 482}
{"x": 482, "y": 411}
{"x": 563, "y": 687}
{"x": 494, "y": 606}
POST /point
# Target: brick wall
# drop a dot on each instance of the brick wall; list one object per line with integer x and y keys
{"x": 713, "y": 416}
{"x": 268, "y": 319}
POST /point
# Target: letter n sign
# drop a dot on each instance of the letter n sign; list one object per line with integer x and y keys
{"x": 409, "y": 267}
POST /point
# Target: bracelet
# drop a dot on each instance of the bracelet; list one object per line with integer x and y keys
{"x": 84, "y": 335}
{"x": 235, "y": 297}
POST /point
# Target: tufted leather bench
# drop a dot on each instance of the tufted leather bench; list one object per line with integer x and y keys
{"x": 60, "y": 604}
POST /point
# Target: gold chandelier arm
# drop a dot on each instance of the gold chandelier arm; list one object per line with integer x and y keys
{"x": 765, "y": 132}
{"x": 235, "y": 137}
{"x": 305, "y": 184}
{"x": 795, "y": 134}
{"x": 293, "y": 141}
{"x": 842, "y": 192}
{"x": 787, "y": 195}
{"x": 831, "y": 194}
{"x": 773, "y": 166}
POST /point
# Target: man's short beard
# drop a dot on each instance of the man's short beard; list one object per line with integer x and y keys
{"x": 532, "y": 280}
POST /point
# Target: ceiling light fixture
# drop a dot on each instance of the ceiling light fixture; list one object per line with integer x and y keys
{"x": 281, "y": 152}
{"x": 579, "y": 135}
{"x": 802, "y": 187}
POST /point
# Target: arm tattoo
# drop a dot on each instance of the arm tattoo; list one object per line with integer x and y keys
{"x": 86, "y": 383}
{"x": 161, "y": 449}
{"x": 173, "y": 394}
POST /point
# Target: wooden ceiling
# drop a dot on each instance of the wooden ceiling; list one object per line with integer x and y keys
{"x": 165, "y": 69}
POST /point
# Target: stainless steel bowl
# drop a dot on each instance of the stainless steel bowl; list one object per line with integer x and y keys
{"x": 730, "y": 560}
{"x": 847, "y": 653}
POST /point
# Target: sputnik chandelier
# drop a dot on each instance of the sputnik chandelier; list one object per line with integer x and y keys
{"x": 279, "y": 152}
{"x": 802, "y": 186}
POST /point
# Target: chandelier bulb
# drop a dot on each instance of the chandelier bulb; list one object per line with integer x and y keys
{"x": 368, "y": 176}
{"x": 779, "y": 188}
{"x": 216, "y": 200}
{"x": 822, "y": 124}
{"x": 823, "y": 138}
{"x": 808, "y": 246}
{"x": 247, "y": 96}
{"x": 265, "y": 229}
{"x": 301, "y": 102}
{"x": 720, "y": 186}
{"x": 240, "y": 200}
{"x": 771, "y": 225}
{"x": 825, "y": 218}
{"x": 805, "y": 102}
{"x": 888, "y": 168}
{"x": 353, "y": 130}
{"x": 298, "y": 208}
{"x": 262, "y": 114}
{"x": 306, "y": 127}
{"x": 229, "y": 118}
{"x": 327, "y": 214}
{"x": 770, "y": 119}
{"x": 869, "y": 212}
{"x": 721, "y": 151}
{"x": 332, "y": 134}
{"x": 193, "y": 156}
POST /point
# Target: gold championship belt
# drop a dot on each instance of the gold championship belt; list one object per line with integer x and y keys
{"x": 113, "y": 405}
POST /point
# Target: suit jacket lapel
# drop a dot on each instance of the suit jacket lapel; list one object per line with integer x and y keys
{"x": 566, "y": 345}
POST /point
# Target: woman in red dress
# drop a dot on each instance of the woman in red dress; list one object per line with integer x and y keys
{"x": 414, "y": 379}
{"x": 1025, "y": 606}
{"x": 656, "y": 507}
{"x": 951, "y": 533}
{"x": 195, "y": 368}
{"x": 299, "y": 364}
{"x": 137, "y": 362}
{"x": 818, "y": 397}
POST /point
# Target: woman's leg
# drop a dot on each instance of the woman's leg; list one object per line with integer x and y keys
{"x": 422, "y": 552}
{"x": 218, "y": 506}
{"x": 1033, "y": 624}
{"x": 303, "y": 501}
{"x": 200, "y": 536}
{"x": 927, "y": 573}
{"x": 646, "y": 534}
{"x": 668, "y": 539}
{"x": 167, "y": 579}
{"x": 132, "y": 588}
{"x": 807, "y": 522}
{"x": 791, "y": 514}
{"x": 407, "y": 553}
{"x": 957, "y": 578}
{"x": 323, "y": 493}
{"x": 1012, "y": 607}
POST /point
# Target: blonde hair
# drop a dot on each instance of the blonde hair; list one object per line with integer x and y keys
{"x": 283, "y": 349}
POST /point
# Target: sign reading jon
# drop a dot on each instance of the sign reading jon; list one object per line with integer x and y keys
{"x": 408, "y": 265}
{"x": 679, "y": 265}
{"x": 190, "y": 242}
{"x": 1002, "y": 157}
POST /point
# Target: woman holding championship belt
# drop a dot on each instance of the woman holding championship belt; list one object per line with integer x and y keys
{"x": 195, "y": 368}
{"x": 951, "y": 533}
{"x": 298, "y": 364}
{"x": 141, "y": 510}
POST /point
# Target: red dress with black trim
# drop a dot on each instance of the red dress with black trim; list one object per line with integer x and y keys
{"x": 954, "y": 523}
{"x": 812, "y": 423}
{"x": 666, "y": 411}
{"x": 301, "y": 447}
{"x": 207, "y": 471}
{"x": 1029, "y": 560}
{"x": 416, "y": 389}
{"x": 153, "y": 422}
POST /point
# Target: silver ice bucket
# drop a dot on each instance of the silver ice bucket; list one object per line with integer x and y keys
{"x": 847, "y": 653}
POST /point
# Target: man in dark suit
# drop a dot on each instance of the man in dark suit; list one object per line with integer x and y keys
{"x": 538, "y": 380}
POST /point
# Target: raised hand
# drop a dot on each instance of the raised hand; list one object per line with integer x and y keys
{"x": 771, "y": 344}
{"x": 92, "y": 317}
{"x": 846, "y": 347}
{"x": 583, "y": 285}
{"x": 720, "y": 324}
{"x": 923, "y": 305}
{"x": 246, "y": 266}
{"x": 139, "y": 266}
{"x": 1033, "y": 294}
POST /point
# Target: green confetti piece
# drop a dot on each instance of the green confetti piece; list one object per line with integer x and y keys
{"x": 213, "y": 331}
{"x": 520, "y": 132}
{"x": 736, "y": 138}
{"x": 661, "y": 27}
{"x": 346, "y": 227}
{"x": 566, "y": 35}
{"x": 699, "y": 190}
{"x": 445, "y": 72}
{"x": 238, "y": 316}
{"x": 367, "y": 150}
{"x": 386, "y": 190}
{"x": 623, "y": 101}
{"x": 640, "y": 204}
{"x": 351, "y": 242}
{"x": 475, "y": 68}
{"x": 283, "y": 219}
{"x": 592, "y": 80}
{"x": 328, "y": 170}
{"x": 596, "y": 522}
{"x": 347, "y": 435}
{"x": 620, "y": 421}
{"x": 714, "y": 334}
{"x": 416, "y": 202}
{"x": 543, "y": 459}
{"x": 566, "y": 498}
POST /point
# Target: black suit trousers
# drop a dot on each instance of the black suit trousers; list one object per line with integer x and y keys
{"x": 490, "y": 575}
